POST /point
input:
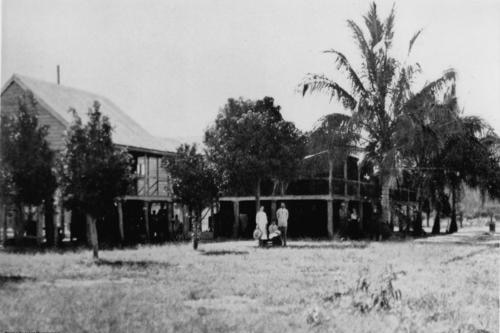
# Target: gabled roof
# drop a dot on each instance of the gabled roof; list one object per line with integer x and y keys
{"x": 58, "y": 100}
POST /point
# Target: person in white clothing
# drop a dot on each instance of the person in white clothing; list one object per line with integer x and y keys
{"x": 282, "y": 216}
{"x": 261, "y": 222}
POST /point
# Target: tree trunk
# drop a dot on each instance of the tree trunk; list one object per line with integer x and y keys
{"x": 275, "y": 187}
{"x": 39, "y": 227}
{"x": 273, "y": 210}
{"x": 436, "y": 228}
{"x": 19, "y": 224}
{"x": 257, "y": 195}
{"x": 196, "y": 229}
{"x": 4, "y": 224}
{"x": 283, "y": 186}
{"x": 92, "y": 232}
{"x": 119, "y": 206}
{"x": 417, "y": 224}
{"x": 453, "y": 222}
{"x": 50, "y": 227}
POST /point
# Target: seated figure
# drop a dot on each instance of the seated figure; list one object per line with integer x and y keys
{"x": 274, "y": 234}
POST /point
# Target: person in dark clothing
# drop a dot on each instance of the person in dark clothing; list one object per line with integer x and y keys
{"x": 163, "y": 223}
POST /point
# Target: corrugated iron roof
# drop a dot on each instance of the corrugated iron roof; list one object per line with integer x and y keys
{"x": 59, "y": 99}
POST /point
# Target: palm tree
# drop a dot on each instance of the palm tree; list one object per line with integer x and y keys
{"x": 379, "y": 93}
{"x": 421, "y": 133}
{"x": 336, "y": 135}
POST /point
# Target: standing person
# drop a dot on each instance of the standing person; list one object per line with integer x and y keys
{"x": 282, "y": 215}
{"x": 261, "y": 222}
{"x": 354, "y": 224}
{"x": 163, "y": 223}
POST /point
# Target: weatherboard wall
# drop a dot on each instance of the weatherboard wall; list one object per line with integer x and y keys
{"x": 10, "y": 104}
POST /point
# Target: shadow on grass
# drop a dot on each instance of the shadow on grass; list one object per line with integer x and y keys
{"x": 222, "y": 252}
{"x": 4, "y": 279}
{"x": 339, "y": 245}
{"x": 133, "y": 264}
{"x": 469, "y": 255}
{"x": 476, "y": 239}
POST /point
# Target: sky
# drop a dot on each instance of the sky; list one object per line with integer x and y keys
{"x": 173, "y": 64}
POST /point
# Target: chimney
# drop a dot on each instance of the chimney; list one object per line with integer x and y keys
{"x": 58, "y": 75}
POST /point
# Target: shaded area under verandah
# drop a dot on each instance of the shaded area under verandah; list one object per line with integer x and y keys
{"x": 314, "y": 216}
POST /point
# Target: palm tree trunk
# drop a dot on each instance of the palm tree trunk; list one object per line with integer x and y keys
{"x": 385, "y": 200}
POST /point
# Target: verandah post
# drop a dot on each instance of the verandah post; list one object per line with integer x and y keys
{"x": 146, "y": 220}
{"x": 236, "y": 223}
{"x": 345, "y": 178}
{"x": 329, "y": 210}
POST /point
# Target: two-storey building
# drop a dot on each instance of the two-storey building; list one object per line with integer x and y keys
{"x": 136, "y": 215}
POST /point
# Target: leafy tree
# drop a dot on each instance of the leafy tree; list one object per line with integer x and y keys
{"x": 250, "y": 142}
{"x": 93, "y": 171}
{"x": 379, "y": 92}
{"x": 289, "y": 146}
{"x": 467, "y": 158}
{"x": 195, "y": 181}
{"x": 27, "y": 175}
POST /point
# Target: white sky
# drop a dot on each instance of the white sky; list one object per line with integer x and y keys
{"x": 172, "y": 64}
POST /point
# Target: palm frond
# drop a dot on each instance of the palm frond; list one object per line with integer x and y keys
{"x": 476, "y": 126}
{"x": 343, "y": 64}
{"x": 430, "y": 91}
{"x": 389, "y": 26}
{"x": 413, "y": 39}
{"x": 437, "y": 85}
{"x": 370, "y": 63}
{"x": 320, "y": 83}
{"x": 359, "y": 37}
{"x": 375, "y": 27}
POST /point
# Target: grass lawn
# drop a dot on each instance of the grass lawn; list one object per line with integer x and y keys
{"x": 440, "y": 284}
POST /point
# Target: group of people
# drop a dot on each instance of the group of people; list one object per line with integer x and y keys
{"x": 276, "y": 232}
